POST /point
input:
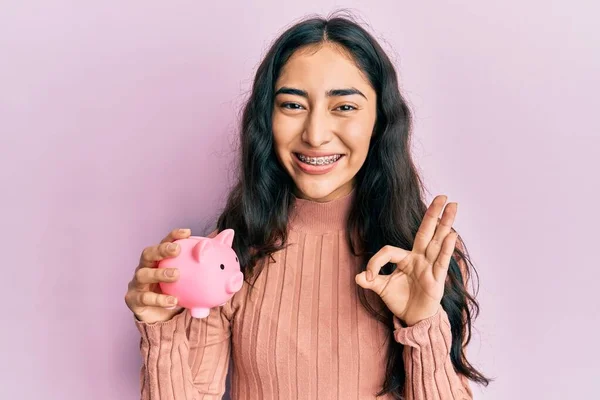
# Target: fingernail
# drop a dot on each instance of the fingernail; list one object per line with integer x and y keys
{"x": 170, "y": 272}
{"x": 172, "y": 247}
{"x": 369, "y": 275}
{"x": 171, "y": 300}
{"x": 184, "y": 231}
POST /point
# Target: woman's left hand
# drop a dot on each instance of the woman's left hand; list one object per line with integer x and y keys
{"x": 414, "y": 290}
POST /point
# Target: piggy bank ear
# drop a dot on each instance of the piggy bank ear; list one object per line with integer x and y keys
{"x": 199, "y": 248}
{"x": 225, "y": 237}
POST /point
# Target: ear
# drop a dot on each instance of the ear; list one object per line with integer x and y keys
{"x": 225, "y": 237}
{"x": 199, "y": 248}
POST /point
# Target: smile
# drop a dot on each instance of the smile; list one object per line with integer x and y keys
{"x": 319, "y": 160}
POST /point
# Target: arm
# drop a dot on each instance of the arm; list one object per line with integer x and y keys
{"x": 429, "y": 370}
{"x": 413, "y": 292}
{"x": 185, "y": 358}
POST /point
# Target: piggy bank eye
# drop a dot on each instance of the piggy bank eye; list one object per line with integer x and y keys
{"x": 222, "y": 266}
{"x": 236, "y": 260}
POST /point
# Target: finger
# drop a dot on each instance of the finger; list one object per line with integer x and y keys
{"x": 147, "y": 276}
{"x": 177, "y": 234}
{"x": 441, "y": 264}
{"x": 386, "y": 255}
{"x": 427, "y": 227}
{"x": 442, "y": 230}
{"x": 151, "y": 299}
{"x": 377, "y": 285}
{"x": 151, "y": 255}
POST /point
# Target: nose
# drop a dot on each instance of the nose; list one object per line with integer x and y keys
{"x": 235, "y": 283}
{"x": 317, "y": 132}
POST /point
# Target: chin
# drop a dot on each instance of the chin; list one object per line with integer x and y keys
{"x": 320, "y": 192}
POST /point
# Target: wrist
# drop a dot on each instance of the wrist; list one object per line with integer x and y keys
{"x": 159, "y": 319}
{"x": 415, "y": 319}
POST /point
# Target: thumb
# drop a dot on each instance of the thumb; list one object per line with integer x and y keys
{"x": 375, "y": 285}
{"x": 361, "y": 280}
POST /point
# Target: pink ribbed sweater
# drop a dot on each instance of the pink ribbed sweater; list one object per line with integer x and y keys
{"x": 300, "y": 333}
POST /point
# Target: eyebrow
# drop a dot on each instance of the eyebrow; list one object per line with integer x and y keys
{"x": 329, "y": 93}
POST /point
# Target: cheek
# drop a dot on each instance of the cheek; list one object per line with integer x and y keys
{"x": 285, "y": 129}
{"x": 357, "y": 136}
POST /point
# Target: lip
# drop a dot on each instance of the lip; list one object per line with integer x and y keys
{"x": 316, "y": 154}
{"x": 316, "y": 169}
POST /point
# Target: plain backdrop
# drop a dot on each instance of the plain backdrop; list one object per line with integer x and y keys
{"x": 118, "y": 123}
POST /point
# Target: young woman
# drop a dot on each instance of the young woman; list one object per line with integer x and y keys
{"x": 354, "y": 287}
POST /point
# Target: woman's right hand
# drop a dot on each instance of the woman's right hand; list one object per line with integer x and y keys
{"x": 144, "y": 297}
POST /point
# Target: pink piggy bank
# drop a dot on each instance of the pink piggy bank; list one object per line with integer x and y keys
{"x": 209, "y": 273}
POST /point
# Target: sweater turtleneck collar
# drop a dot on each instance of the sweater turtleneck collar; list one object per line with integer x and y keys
{"x": 319, "y": 217}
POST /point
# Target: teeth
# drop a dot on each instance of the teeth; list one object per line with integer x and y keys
{"x": 319, "y": 160}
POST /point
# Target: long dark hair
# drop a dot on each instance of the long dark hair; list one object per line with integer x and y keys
{"x": 389, "y": 204}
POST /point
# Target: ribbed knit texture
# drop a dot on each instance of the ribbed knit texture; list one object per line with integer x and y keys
{"x": 300, "y": 333}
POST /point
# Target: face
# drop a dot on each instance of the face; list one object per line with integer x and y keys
{"x": 323, "y": 120}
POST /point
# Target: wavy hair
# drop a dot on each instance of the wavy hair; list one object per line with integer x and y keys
{"x": 389, "y": 204}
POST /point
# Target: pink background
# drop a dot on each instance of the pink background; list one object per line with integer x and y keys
{"x": 116, "y": 124}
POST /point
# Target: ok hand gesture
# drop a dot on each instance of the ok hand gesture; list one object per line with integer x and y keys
{"x": 414, "y": 290}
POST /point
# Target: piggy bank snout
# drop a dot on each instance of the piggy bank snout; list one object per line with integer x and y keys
{"x": 234, "y": 284}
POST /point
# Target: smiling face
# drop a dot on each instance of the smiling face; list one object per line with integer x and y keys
{"x": 323, "y": 119}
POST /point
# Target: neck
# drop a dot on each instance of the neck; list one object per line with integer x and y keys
{"x": 342, "y": 191}
{"x": 321, "y": 216}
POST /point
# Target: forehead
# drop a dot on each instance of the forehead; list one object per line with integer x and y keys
{"x": 322, "y": 66}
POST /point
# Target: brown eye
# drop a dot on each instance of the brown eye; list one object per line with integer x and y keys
{"x": 346, "y": 107}
{"x": 222, "y": 266}
{"x": 292, "y": 106}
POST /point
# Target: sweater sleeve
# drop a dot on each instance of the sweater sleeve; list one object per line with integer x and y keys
{"x": 185, "y": 358}
{"x": 429, "y": 370}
